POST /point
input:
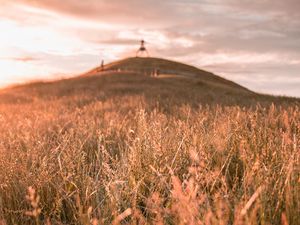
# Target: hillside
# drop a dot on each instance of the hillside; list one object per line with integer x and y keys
{"x": 176, "y": 84}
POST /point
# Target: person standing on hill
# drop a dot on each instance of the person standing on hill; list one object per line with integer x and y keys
{"x": 102, "y": 65}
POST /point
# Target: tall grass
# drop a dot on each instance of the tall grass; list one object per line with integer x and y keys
{"x": 81, "y": 160}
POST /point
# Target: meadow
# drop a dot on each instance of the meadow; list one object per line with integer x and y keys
{"x": 137, "y": 150}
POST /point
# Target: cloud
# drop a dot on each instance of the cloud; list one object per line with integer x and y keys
{"x": 288, "y": 7}
{"x": 21, "y": 58}
{"x": 131, "y": 12}
{"x": 25, "y": 59}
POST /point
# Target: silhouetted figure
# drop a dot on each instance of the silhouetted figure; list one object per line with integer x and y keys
{"x": 102, "y": 65}
{"x": 142, "y": 49}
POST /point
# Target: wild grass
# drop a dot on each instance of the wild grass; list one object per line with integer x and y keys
{"x": 88, "y": 156}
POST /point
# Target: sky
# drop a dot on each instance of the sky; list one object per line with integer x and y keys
{"x": 255, "y": 43}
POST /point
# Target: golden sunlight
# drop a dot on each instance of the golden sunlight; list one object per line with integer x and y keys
{"x": 149, "y": 112}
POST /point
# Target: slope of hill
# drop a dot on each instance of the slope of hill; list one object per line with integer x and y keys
{"x": 166, "y": 90}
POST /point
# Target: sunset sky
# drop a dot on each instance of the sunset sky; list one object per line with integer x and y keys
{"x": 253, "y": 42}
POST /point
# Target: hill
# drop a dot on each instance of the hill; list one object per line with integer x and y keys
{"x": 176, "y": 84}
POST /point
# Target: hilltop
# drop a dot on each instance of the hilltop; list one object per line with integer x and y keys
{"x": 158, "y": 81}
{"x": 158, "y": 66}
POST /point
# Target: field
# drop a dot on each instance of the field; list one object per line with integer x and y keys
{"x": 138, "y": 150}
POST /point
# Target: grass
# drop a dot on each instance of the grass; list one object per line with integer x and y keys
{"x": 138, "y": 150}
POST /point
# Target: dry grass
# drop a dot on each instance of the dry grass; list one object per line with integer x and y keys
{"x": 104, "y": 150}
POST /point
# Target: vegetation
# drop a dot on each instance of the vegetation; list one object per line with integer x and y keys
{"x": 139, "y": 150}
